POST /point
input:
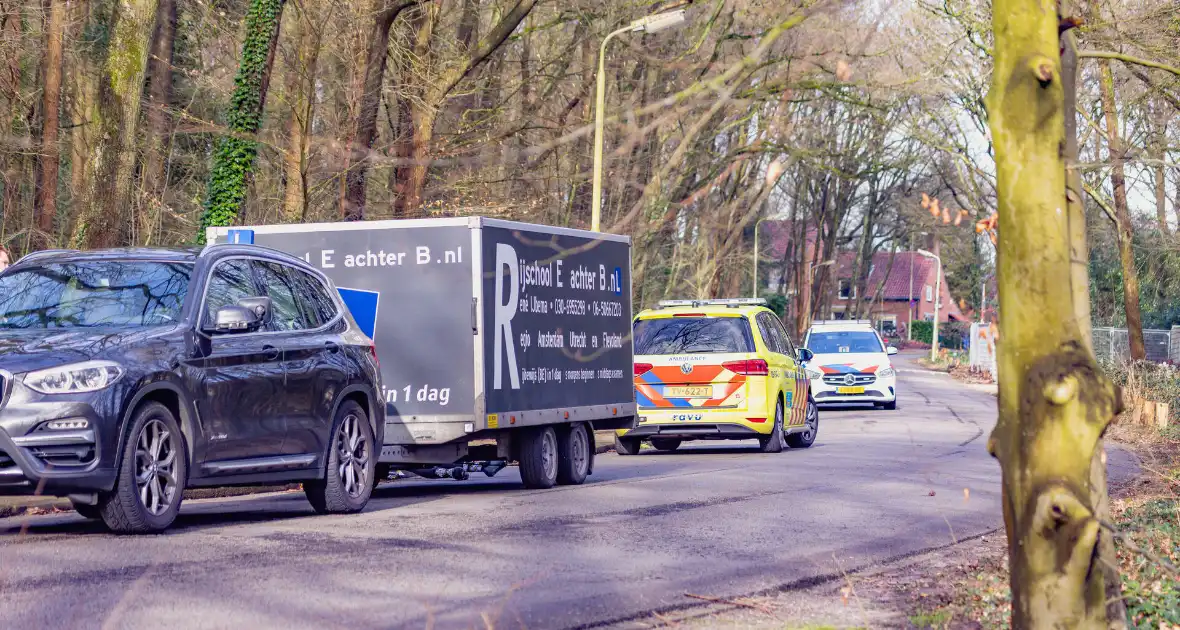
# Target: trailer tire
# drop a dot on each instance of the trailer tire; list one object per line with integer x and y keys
{"x": 539, "y": 458}
{"x": 627, "y": 446}
{"x": 574, "y": 450}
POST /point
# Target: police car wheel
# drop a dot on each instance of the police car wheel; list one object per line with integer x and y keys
{"x": 627, "y": 446}
{"x": 890, "y": 405}
{"x": 666, "y": 444}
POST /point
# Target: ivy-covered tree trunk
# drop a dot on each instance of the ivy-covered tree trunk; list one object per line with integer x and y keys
{"x": 1055, "y": 403}
{"x": 233, "y": 160}
{"x": 115, "y": 120}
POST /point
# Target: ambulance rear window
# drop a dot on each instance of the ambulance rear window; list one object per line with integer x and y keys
{"x": 693, "y": 335}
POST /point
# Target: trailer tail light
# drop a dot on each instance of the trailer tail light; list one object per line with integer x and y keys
{"x": 642, "y": 368}
{"x": 749, "y": 367}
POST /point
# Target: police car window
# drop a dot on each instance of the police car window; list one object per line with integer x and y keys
{"x": 313, "y": 296}
{"x": 843, "y": 342}
{"x": 284, "y": 305}
{"x": 229, "y": 282}
{"x": 691, "y": 335}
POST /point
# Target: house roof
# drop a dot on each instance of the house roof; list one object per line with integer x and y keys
{"x": 779, "y": 234}
{"x": 897, "y": 284}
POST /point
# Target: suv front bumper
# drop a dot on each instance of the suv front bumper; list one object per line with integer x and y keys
{"x": 36, "y": 461}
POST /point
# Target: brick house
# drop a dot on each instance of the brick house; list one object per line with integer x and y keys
{"x": 889, "y": 310}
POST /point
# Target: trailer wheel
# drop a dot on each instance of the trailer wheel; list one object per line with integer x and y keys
{"x": 627, "y": 446}
{"x": 538, "y": 458}
{"x": 574, "y": 450}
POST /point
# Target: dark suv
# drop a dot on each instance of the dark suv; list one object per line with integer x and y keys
{"x": 128, "y": 375}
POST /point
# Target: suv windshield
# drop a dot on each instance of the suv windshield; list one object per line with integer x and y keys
{"x": 842, "y": 342}
{"x": 98, "y": 293}
{"x": 689, "y": 335}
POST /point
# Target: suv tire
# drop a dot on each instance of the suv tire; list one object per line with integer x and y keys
{"x": 627, "y": 446}
{"x": 575, "y": 449}
{"x": 773, "y": 443}
{"x": 351, "y": 473}
{"x": 151, "y": 474}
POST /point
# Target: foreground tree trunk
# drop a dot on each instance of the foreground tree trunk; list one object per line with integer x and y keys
{"x": 51, "y": 115}
{"x": 1118, "y": 180}
{"x": 1055, "y": 403}
{"x": 234, "y": 158}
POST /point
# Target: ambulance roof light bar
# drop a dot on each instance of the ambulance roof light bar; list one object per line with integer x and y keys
{"x": 728, "y": 302}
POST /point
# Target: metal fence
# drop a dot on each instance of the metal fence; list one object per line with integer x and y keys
{"x": 1114, "y": 344}
{"x": 1109, "y": 344}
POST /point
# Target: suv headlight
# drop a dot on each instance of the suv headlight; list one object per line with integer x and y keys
{"x": 76, "y": 378}
{"x": 886, "y": 373}
{"x": 814, "y": 374}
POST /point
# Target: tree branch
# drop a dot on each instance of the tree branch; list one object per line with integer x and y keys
{"x": 1102, "y": 54}
{"x": 1102, "y": 203}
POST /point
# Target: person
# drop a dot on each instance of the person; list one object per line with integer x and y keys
{"x": 5, "y": 259}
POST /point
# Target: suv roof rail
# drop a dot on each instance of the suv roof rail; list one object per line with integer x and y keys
{"x": 841, "y": 322}
{"x": 727, "y": 302}
{"x": 45, "y": 252}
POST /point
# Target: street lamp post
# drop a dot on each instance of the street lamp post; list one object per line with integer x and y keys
{"x": 937, "y": 298}
{"x": 649, "y": 24}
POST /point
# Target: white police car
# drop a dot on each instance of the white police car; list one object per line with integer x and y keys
{"x": 850, "y": 364}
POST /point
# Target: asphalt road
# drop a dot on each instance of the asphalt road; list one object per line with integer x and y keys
{"x": 643, "y": 532}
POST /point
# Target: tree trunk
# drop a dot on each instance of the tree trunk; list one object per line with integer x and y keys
{"x": 10, "y": 85}
{"x": 114, "y": 119}
{"x": 1054, "y": 401}
{"x": 1159, "y": 151}
{"x": 366, "y": 121}
{"x": 1116, "y": 609}
{"x": 301, "y": 75}
{"x": 1118, "y": 180}
{"x": 159, "y": 131}
{"x": 51, "y": 114}
{"x": 233, "y": 160}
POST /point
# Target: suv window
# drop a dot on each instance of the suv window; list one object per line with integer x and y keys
{"x": 689, "y": 335}
{"x": 318, "y": 306}
{"x": 229, "y": 282}
{"x": 278, "y": 283}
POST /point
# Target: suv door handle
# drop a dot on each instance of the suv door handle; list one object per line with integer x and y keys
{"x": 332, "y": 346}
{"x": 272, "y": 353}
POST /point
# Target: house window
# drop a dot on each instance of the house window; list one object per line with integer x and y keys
{"x": 847, "y": 291}
{"x": 929, "y": 293}
{"x": 887, "y": 324}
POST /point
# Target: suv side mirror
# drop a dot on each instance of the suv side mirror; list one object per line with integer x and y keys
{"x": 891, "y": 350}
{"x": 236, "y": 319}
{"x": 805, "y": 355}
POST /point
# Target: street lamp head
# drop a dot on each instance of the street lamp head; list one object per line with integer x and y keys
{"x": 658, "y": 22}
{"x": 927, "y": 254}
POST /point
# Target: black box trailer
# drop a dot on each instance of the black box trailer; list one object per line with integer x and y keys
{"x": 498, "y": 341}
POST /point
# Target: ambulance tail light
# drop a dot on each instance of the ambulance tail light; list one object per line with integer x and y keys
{"x": 642, "y": 368}
{"x": 748, "y": 367}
